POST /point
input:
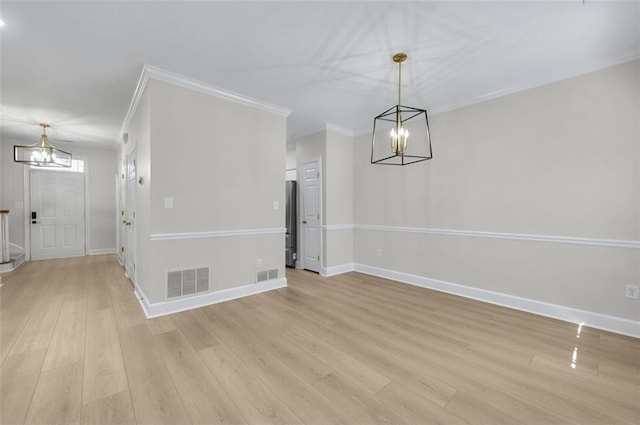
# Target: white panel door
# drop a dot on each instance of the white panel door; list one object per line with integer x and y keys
{"x": 129, "y": 221}
{"x": 57, "y": 214}
{"x": 311, "y": 214}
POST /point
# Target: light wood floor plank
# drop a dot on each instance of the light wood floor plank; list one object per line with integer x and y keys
{"x": 104, "y": 372}
{"x": 356, "y": 402}
{"x": 115, "y": 409}
{"x": 302, "y": 398}
{"x": 475, "y": 411}
{"x": 255, "y": 400}
{"x": 16, "y": 392}
{"x": 57, "y": 396}
{"x": 155, "y": 398}
{"x": 203, "y": 397}
{"x": 351, "y": 349}
{"x": 229, "y": 332}
{"x": 98, "y": 293}
{"x": 198, "y": 335}
{"x": 18, "y": 377}
{"x": 67, "y": 342}
{"x": 413, "y": 407}
{"x": 128, "y": 314}
{"x": 161, "y": 324}
{"x": 368, "y": 378}
{"x": 37, "y": 332}
{"x": 377, "y": 353}
{"x": 23, "y": 362}
{"x": 305, "y": 364}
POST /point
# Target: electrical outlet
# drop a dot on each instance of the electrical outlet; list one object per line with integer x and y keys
{"x": 379, "y": 252}
{"x": 632, "y": 291}
{"x": 259, "y": 262}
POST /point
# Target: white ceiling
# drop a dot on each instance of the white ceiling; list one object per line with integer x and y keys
{"x": 75, "y": 65}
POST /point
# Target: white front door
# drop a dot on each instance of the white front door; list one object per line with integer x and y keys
{"x": 311, "y": 192}
{"x": 57, "y": 214}
{"x": 129, "y": 219}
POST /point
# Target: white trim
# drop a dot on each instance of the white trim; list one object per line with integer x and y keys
{"x": 334, "y": 128}
{"x": 87, "y": 194}
{"x": 217, "y": 234}
{"x": 337, "y": 227}
{"x": 20, "y": 250}
{"x": 175, "y": 306}
{"x": 568, "y": 314}
{"x": 616, "y": 243}
{"x": 101, "y": 251}
{"x": 135, "y": 100}
{"x": 627, "y": 57}
{"x": 149, "y": 71}
{"x": 336, "y": 270}
{"x": 26, "y": 217}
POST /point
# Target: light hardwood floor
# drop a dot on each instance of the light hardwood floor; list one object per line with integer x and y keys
{"x": 75, "y": 347}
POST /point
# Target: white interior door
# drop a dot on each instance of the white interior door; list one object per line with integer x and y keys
{"x": 129, "y": 219}
{"x": 311, "y": 192}
{"x": 57, "y": 214}
{"x": 122, "y": 196}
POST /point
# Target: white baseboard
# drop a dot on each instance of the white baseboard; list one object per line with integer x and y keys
{"x": 555, "y": 311}
{"x": 335, "y": 270}
{"x": 176, "y": 306}
{"x": 102, "y": 251}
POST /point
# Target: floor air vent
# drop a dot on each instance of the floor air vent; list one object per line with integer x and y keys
{"x": 266, "y": 275}
{"x": 181, "y": 283}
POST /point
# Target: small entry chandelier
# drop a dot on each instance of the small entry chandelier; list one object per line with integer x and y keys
{"x": 42, "y": 154}
{"x": 401, "y": 134}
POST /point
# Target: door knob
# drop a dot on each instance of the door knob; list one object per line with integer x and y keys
{"x": 304, "y": 221}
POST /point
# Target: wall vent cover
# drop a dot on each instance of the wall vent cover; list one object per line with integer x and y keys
{"x": 186, "y": 282}
{"x": 263, "y": 275}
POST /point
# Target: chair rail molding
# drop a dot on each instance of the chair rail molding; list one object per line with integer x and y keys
{"x": 616, "y": 243}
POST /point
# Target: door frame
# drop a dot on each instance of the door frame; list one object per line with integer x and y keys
{"x": 129, "y": 253}
{"x": 27, "y": 207}
{"x": 301, "y": 255}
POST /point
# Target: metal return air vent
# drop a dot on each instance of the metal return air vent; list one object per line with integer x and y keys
{"x": 181, "y": 283}
{"x": 266, "y": 275}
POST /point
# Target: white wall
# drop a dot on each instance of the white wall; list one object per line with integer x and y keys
{"x": 101, "y": 166}
{"x": 222, "y": 174}
{"x": 290, "y": 162}
{"x": 338, "y": 242}
{"x": 558, "y": 160}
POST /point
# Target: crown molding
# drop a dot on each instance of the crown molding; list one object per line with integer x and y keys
{"x": 137, "y": 95}
{"x": 149, "y": 72}
{"x": 515, "y": 89}
{"x": 334, "y": 128}
{"x": 625, "y": 58}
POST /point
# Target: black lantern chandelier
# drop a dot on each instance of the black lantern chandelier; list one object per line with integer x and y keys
{"x": 401, "y": 134}
{"x": 42, "y": 154}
